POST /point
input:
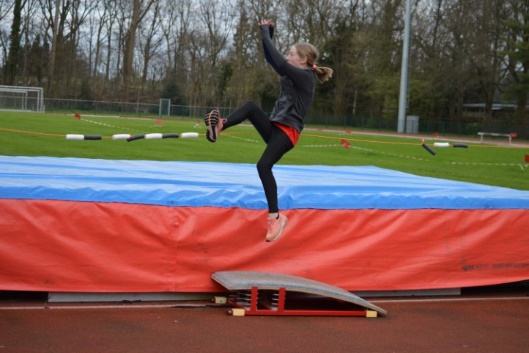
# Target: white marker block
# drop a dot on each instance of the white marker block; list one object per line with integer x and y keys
{"x": 74, "y": 137}
{"x": 441, "y": 144}
{"x": 186, "y": 135}
{"x": 153, "y": 136}
{"x": 120, "y": 136}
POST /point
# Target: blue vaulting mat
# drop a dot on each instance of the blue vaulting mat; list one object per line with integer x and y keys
{"x": 197, "y": 184}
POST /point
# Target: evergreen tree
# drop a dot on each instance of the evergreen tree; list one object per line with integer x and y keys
{"x": 14, "y": 45}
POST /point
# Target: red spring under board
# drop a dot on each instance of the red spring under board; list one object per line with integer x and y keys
{"x": 115, "y": 247}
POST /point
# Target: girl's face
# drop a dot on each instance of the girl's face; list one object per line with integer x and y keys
{"x": 294, "y": 59}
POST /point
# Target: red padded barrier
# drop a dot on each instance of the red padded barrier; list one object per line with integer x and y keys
{"x": 115, "y": 247}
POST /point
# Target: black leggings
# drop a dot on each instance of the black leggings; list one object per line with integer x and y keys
{"x": 277, "y": 144}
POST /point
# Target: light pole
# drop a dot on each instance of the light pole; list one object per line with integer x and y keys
{"x": 404, "y": 70}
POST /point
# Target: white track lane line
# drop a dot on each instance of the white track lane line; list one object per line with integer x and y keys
{"x": 210, "y": 305}
{"x": 104, "y": 306}
{"x": 449, "y": 300}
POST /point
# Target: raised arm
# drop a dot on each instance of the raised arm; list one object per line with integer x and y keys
{"x": 278, "y": 62}
{"x": 272, "y": 55}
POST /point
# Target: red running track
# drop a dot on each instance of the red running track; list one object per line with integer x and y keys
{"x": 478, "y": 323}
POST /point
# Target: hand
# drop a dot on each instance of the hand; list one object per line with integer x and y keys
{"x": 266, "y": 23}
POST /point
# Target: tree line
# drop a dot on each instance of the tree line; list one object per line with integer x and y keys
{"x": 208, "y": 53}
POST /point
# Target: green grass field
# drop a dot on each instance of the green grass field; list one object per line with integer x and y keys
{"x": 28, "y": 134}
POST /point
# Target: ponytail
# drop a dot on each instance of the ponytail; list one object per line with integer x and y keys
{"x": 323, "y": 73}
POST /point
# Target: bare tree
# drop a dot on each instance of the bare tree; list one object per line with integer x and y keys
{"x": 386, "y": 26}
{"x": 63, "y": 20}
{"x": 345, "y": 51}
{"x": 516, "y": 20}
{"x": 76, "y": 67}
{"x": 243, "y": 58}
{"x": 484, "y": 48}
{"x": 175, "y": 28}
{"x": 113, "y": 56}
{"x": 313, "y": 21}
{"x": 6, "y": 8}
{"x": 34, "y": 60}
{"x": 208, "y": 41}
{"x": 51, "y": 14}
{"x": 97, "y": 22}
{"x": 149, "y": 40}
{"x": 439, "y": 70}
{"x": 139, "y": 10}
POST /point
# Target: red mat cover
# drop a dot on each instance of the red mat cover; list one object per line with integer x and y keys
{"x": 116, "y": 247}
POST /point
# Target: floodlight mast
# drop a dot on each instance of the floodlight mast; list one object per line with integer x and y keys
{"x": 404, "y": 70}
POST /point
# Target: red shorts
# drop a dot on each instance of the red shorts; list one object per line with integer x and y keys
{"x": 292, "y": 133}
